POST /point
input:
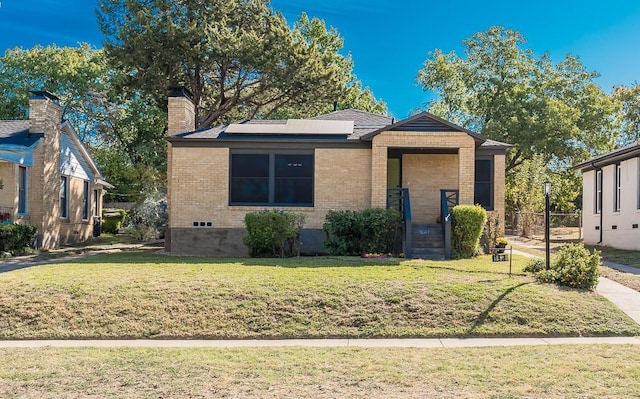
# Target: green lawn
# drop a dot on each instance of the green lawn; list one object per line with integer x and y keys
{"x": 135, "y": 295}
{"x": 580, "y": 371}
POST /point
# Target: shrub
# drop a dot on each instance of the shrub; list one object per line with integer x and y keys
{"x": 468, "y": 223}
{"x": 148, "y": 220}
{"x": 16, "y": 238}
{"x": 574, "y": 266}
{"x": 273, "y": 233}
{"x": 112, "y": 220}
{"x": 534, "y": 266}
{"x": 351, "y": 233}
{"x": 492, "y": 231}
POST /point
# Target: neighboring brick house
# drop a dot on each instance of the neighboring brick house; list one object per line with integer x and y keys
{"x": 611, "y": 198}
{"x": 50, "y": 181}
{"x": 344, "y": 160}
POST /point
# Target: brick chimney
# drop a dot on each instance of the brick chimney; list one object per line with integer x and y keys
{"x": 45, "y": 118}
{"x": 182, "y": 111}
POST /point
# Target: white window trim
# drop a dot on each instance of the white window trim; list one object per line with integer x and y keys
{"x": 66, "y": 202}
{"x": 598, "y": 191}
{"x": 617, "y": 171}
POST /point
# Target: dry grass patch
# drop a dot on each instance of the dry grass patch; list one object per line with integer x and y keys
{"x": 139, "y": 295}
{"x": 596, "y": 371}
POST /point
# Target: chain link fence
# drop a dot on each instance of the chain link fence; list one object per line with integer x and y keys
{"x": 563, "y": 226}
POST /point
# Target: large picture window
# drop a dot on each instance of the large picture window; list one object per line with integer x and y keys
{"x": 22, "y": 190}
{"x": 483, "y": 188}
{"x": 271, "y": 179}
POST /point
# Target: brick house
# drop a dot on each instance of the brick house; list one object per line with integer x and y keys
{"x": 50, "y": 181}
{"x": 344, "y": 160}
{"x": 611, "y": 198}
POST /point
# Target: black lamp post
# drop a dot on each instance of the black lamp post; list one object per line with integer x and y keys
{"x": 547, "y": 194}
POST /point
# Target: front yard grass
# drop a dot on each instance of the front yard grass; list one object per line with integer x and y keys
{"x": 580, "y": 371}
{"x": 142, "y": 295}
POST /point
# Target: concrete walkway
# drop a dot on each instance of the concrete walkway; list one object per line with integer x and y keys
{"x": 325, "y": 343}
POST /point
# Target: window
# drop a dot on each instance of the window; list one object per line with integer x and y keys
{"x": 617, "y": 189}
{"x": 638, "y": 176}
{"x": 273, "y": 179}
{"x": 86, "y": 203}
{"x": 22, "y": 190}
{"x": 64, "y": 197}
{"x": 483, "y": 188}
{"x": 96, "y": 203}
{"x": 598, "y": 199}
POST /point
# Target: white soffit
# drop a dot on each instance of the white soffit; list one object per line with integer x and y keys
{"x": 294, "y": 126}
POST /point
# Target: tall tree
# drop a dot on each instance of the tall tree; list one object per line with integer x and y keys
{"x": 239, "y": 57}
{"x": 125, "y": 134}
{"x": 501, "y": 90}
{"x": 629, "y": 98}
{"x": 74, "y": 74}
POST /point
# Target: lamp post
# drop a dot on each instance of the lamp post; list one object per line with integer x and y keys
{"x": 547, "y": 193}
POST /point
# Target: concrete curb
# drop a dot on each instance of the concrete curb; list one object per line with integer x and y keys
{"x": 323, "y": 343}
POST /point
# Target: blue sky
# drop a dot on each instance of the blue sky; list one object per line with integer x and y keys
{"x": 389, "y": 40}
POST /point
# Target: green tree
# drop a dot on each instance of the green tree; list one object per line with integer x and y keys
{"x": 239, "y": 57}
{"x": 629, "y": 99}
{"x": 74, "y": 74}
{"x": 124, "y": 133}
{"x": 503, "y": 91}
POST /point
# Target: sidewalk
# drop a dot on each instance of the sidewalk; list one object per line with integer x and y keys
{"x": 325, "y": 343}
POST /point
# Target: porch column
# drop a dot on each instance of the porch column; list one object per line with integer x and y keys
{"x": 378, "y": 175}
{"x": 466, "y": 177}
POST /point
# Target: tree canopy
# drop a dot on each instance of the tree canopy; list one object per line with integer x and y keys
{"x": 239, "y": 57}
{"x": 629, "y": 98}
{"x": 503, "y": 91}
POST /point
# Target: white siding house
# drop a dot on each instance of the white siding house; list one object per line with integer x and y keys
{"x": 611, "y": 198}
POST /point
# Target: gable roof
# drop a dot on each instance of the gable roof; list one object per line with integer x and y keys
{"x": 425, "y": 122}
{"x": 621, "y": 154}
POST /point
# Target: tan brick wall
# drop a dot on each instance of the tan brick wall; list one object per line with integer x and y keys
{"x": 74, "y": 228}
{"x": 425, "y": 175}
{"x": 44, "y": 177}
{"x": 181, "y": 115}
{"x": 200, "y": 187}
{"x": 9, "y": 194}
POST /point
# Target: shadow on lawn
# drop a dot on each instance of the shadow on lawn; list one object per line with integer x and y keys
{"x": 139, "y": 257}
{"x": 482, "y": 317}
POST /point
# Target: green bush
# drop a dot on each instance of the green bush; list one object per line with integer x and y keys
{"x": 112, "y": 220}
{"x": 534, "y": 266}
{"x": 148, "y": 220}
{"x": 273, "y": 233}
{"x": 351, "y": 233}
{"x": 467, "y": 226}
{"x": 574, "y": 266}
{"x": 16, "y": 238}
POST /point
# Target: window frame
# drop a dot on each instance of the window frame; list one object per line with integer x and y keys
{"x": 86, "y": 201}
{"x": 598, "y": 192}
{"x": 617, "y": 188}
{"x": 96, "y": 202}
{"x": 490, "y": 182}
{"x": 272, "y": 154}
{"x": 23, "y": 187}
{"x": 64, "y": 197}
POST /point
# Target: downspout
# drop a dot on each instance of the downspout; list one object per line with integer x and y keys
{"x": 600, "y": 199}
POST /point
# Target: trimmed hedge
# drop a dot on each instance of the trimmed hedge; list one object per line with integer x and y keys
{"x": 112, "y": 220}
{"x": 467, "y": 226}
{"x": 351, "y": 233}
{"x": 16, "y": 238}
{"x": 273, "y": 233}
